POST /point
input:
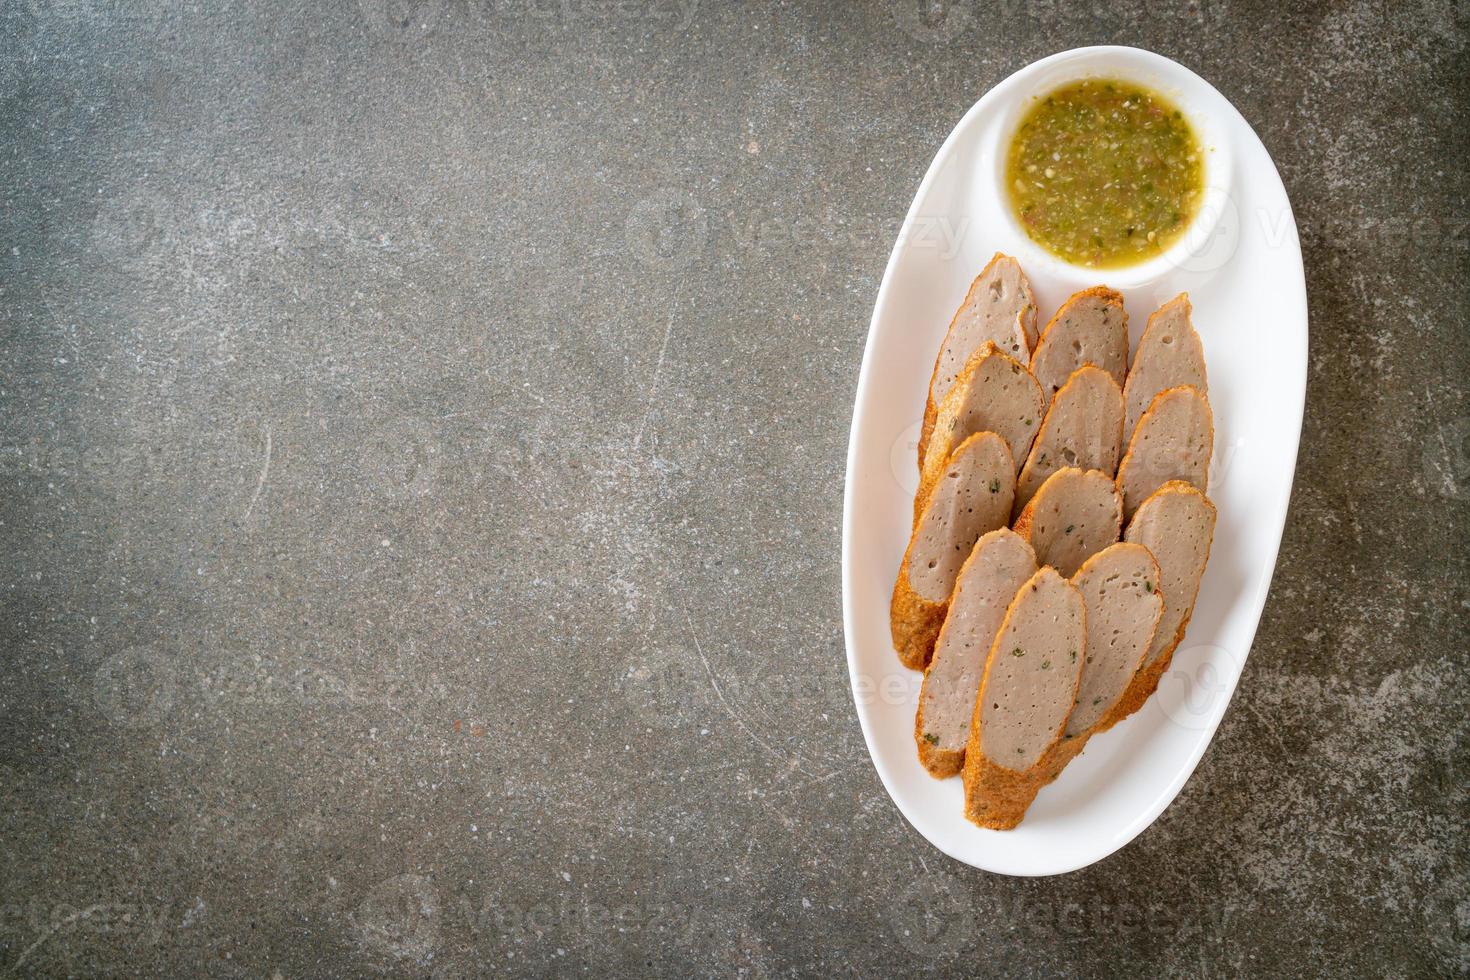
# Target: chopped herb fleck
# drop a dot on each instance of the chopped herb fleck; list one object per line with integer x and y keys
{"x": 1070, "y": 529}
{"x": 1018, "y": 652}
{"x": 1074, "y": 656}
{"x": 1046, "y": 665}
{"x": 1096, "y": 702}
{"x": 931, "y": 738}
{"x": 1148, "y": 586}
{"x": 995, "y": 486}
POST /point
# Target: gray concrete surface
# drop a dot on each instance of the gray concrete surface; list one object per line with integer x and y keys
{"x": 423, "y": 441}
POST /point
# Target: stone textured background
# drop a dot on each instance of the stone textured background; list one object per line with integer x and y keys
{"x": 422, "y": 449}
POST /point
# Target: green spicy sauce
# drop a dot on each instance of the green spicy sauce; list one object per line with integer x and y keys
{"x": 1104, "y": 173}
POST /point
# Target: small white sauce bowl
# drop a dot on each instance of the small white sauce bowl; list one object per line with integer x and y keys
{"x": 1188, "y": 92}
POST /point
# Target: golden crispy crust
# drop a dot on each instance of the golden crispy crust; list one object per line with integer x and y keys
{"x": 1146, "y": 681}
{"x": 942, "y": 763}
{"x": 1027, "y": 517}
{"x": 997, "y": 797}
{"x": 931, "y": 412}
{"x": 1069, "y": 748}
{"x": 1076, "y": 377}
{"x": 1143, "y": 686}
{"x": 1157, "y": 315}
{"x": 1135, "y": 375}
{"x": 931, "y": 409}
{"x": 1061, "y": 754}
{"x": 1137, "y": 429}
{"x": 913, "y": 621}
{"x": 931, "y": 469}
{"x": 1108, "y": 295}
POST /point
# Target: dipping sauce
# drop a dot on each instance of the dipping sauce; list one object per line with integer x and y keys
{"x": 1104, "y": 173}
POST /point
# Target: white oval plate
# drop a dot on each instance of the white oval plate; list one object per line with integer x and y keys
{"x": 1250, "y": 307}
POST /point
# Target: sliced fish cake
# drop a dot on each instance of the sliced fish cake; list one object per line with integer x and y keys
{"x": 1177, "y": 526}
{"x": 972, "y": 495}
{"x": 1169, "y": 355}
{"x": 1000, "y": 564}
{"x": 1074, "y": 515}
{"x": 995, "y": 394}
{"x": 1173, "y": 441}
{"x": 998, "y": 309}
{"x": 1120, "y": 588}
{"x": 1083, "y": 428}
{"x": 1090, "y": 328}
{"x": 1028, "y": 690}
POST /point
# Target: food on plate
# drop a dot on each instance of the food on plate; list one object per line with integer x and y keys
{"x": 1169, "y": 354}
{"x": 1036, "y": 637}
{"x": 1121, "y": 592}
{"x": 1083, "y": 428}
{"x": 1173, "y": 441}
{"x": 1176, "y": 525}
{"x": 972, "y": 494}
{"x": 1104, "y": 173}
{"x": 993, "y": 394}
{"x": 1026, "y": 694}
{"x": 998, "y": 309}
{"x": 1090, "y": 328}
{"x": 995, "y": 571}
{"x": 1074, "y": 515}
